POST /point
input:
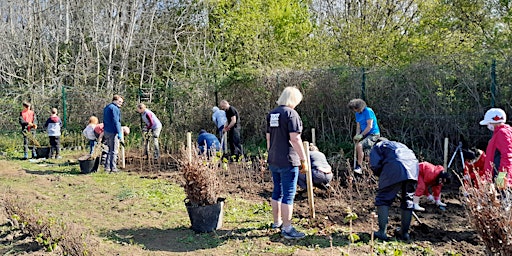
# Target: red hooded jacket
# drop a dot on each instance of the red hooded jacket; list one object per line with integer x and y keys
{"x": 428, "y": 178}
{"x": 501, "y": 141}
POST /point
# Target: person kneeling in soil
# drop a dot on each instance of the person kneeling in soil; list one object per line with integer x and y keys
{"x": 430, "y": 176}
{"x": 321, "y": 171}
{"x": 397, "y": 168}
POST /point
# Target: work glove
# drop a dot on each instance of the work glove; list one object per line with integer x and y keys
{"x": 303, "y": 168}
{"x": 500, "y": 180}
{"x": 358, "y": 137}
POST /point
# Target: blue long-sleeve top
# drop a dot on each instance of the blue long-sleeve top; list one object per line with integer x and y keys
{"x": 112, "y": 119}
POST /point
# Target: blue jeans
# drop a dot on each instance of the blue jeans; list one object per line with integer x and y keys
{"x": 113, "y": 151}
{"x": 285, "y": 183}
{"x": 220, "y": 130}
{"x": 92, "y": 143}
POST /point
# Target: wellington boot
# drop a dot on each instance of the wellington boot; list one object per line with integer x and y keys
{"x": 382, "y": 213}
{"x": 405, "y": 224}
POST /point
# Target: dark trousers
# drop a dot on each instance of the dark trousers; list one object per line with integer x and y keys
{"x": 235, "y": 145}
{"x": 25, "y": 142}
{"x": 54, "y": 146}
{"x": 386, "y": 196}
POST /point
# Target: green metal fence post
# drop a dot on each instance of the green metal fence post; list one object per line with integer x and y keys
{"x": 493, "y": 83}
{"x": 64, "y": 108}
{"x": 363, "y": 85}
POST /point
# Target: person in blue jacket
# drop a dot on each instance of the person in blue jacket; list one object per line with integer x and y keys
{"x": 113, "y": 133}
{"x": 207, "y": 142}
{"x": 397, "y": 168}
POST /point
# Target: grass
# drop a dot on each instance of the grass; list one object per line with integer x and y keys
{"x": 131, "y": 215}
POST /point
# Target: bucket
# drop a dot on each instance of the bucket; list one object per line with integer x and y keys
{"x": 206, "y": 218}
{"x": 42, "y": 152}
{"x": 88, "y": 165}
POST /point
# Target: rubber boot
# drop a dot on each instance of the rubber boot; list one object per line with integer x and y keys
{"x": 416, "y": 201}
{"x": 405, "y": 224}
{"x": 382, "y": 213}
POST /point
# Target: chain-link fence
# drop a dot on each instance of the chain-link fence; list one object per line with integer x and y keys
{"x": 418, "y": 105}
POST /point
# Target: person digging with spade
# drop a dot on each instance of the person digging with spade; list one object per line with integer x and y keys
{"x": 367, "y": 130}
{"x": 397, "y": 168}
{"x": 430, "y": 176}
{"x": 153, "y": 128}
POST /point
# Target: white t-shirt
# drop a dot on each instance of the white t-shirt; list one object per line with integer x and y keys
{"x": 88, "y": 132}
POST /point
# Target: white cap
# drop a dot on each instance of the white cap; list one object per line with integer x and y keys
{"x": 494, "y": 116}
{"x": 215, "y": 109}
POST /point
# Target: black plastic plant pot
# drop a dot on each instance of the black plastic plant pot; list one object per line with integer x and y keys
{"x": 42, "y": 152}
{"x": 88, "y": 165}
{"x": 206, "y": 218}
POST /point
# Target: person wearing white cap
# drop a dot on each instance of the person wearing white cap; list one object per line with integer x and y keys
{"x": 498, "y": 163}
{"x": 219, "y": 118}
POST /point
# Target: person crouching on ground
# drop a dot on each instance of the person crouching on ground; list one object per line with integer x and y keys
{"x": 430, "y": 176}
{"x": 53, "y": 125}
{"x": 285, "y": 157}
{"x": 397, "y": 168}
{"x": 474, "y": 161}
{"x": 207, "y": 142}
{"x": 321, "y": 171}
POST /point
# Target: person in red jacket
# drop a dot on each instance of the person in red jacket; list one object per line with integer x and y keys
{"x": 430, "y": 176}
{"x": 498, "y": 162}
{"x": 27, "y": 121}
{"x": 474, "y": 160}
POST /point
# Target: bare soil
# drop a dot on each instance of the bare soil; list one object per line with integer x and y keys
{"x": 447, "y": 232}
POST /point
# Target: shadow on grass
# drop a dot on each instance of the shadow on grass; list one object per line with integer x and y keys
{"x": 71, "y": 171}
{"x": 184, "y": 239}
{"x": 174, "y": 240}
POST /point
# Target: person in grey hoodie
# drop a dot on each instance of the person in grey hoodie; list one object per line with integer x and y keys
{"x": 53, "y": 125}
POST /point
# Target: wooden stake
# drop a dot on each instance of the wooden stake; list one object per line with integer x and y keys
{"x": 189, "y": 146}
{"x": 445, "y": 165}
{"x": 123, "y": 158}
{"x": 309, "y": 181}
{"x": 313, "y": 139}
